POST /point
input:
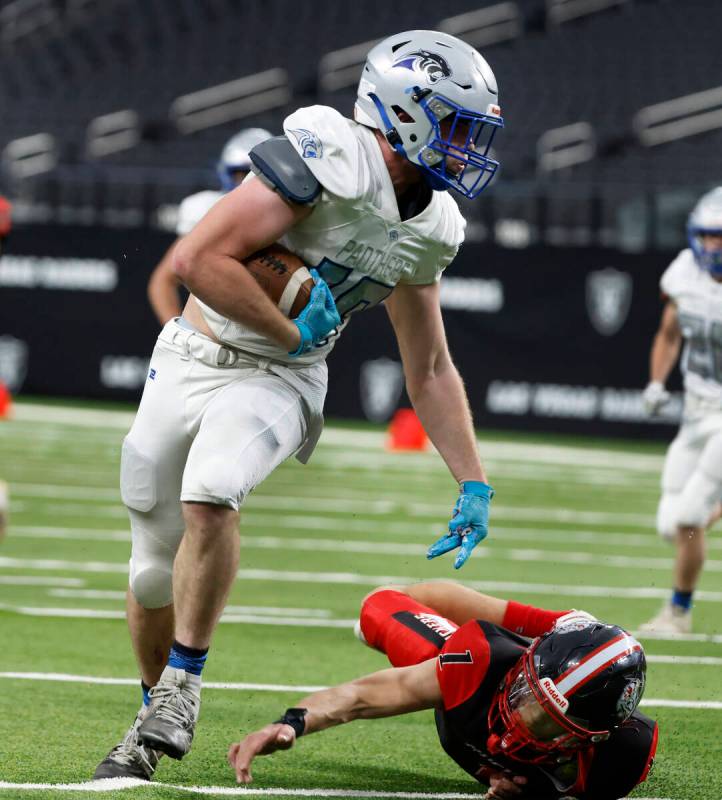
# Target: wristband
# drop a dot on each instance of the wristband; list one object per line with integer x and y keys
{"x": 295, "y": 717}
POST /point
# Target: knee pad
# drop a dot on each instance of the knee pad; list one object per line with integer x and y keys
{"x": 137, "y": 478}
{"x": 667, "y": 516}
{"x": 155, "y": 543}
{"x": 152, "y": 586}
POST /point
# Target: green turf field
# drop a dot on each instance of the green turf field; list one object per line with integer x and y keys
{"x": 572, "y": 525}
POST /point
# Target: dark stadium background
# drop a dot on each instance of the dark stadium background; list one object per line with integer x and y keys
{"x": 112, "y": 111}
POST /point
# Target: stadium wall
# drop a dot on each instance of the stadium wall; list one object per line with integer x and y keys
{"x": 546, "y": 338}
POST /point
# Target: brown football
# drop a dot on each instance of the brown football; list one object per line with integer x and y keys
{"x": 282, "y": 276}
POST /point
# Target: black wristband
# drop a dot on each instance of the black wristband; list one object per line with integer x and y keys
{"x": 295, "y": 717}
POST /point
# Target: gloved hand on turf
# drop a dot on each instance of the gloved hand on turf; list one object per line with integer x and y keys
{"x": 468, "y": 524}
{"x": 318, "y": 318}
{"x": 654, "y": 397}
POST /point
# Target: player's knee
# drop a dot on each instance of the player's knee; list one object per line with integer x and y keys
{"x": 151, "y": 583}
{"x": 698, "y": 500}
{"x": 209, "y": 520}
{"x": 667, "y": 516}
{"x": 138, "y": 484}
{"x": 381, "y": 589}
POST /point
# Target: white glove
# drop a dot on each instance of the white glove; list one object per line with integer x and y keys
{"x": 654, "y": 397}
{"x": 574, "y": 620}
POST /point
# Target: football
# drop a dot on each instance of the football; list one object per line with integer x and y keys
{"x": 282, "y": 276}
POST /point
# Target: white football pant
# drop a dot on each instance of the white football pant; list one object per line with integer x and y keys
{"x": 692, "y": 475}
{"x": 206, "y": 433}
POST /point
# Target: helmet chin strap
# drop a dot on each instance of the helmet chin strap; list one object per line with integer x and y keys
{"x": 394, "y": 139}
{"x": 390, "y": 132}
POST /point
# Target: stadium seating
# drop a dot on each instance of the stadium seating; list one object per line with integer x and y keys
{"x": 69, "y": 62}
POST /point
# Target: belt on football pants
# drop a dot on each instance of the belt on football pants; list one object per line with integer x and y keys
{"x": 195, "y": 345}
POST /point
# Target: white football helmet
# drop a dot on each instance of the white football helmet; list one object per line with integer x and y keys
{"x": 706, "y": 220}
{"x": 234, "y": 156}
{"x": 413, "y": 81}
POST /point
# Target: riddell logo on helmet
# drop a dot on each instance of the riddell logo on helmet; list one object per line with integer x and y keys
{"x": 551, "y": 691}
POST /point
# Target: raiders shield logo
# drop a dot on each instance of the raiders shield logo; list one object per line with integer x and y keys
{"x": 609, "y": 297}
{"x": 13, "y": 362}
{"x": 381, "y": 383}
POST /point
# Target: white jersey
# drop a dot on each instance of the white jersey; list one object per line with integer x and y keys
{"x": 355, "y": 237}
{"x": 698, "y": 298}
{"x": 193, "y": 208}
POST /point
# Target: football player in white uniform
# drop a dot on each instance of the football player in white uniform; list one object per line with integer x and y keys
{"x": 232, "y": 168}
{"x": 692, "y": 476}
{"x": 235, "y": 387}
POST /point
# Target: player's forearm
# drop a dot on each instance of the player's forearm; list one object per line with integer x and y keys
{"x": 163, "y": 289}
{"x": 665, "y": 351}
{"x": 386, "y": 693}
{"x": 441, "y": 403}
{"x": 224, "y": 284}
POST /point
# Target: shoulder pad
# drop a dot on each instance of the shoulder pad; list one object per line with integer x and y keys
{"x": 278, "y": 162}
{"x": 329, "y": 146}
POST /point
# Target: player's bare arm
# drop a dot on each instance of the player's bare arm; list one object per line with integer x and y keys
{"x": 666, "y": 345}
{"x": 163, "y": 288}
{"x": 432, "y": 381}
{"x": 387, "y": 693}
{"x": 209, "y": 260}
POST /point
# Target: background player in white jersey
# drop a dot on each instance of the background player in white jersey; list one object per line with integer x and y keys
{"x": 232, "y": 168}
{"x": 692, "y": 476}
{"x": 235, "y": 387}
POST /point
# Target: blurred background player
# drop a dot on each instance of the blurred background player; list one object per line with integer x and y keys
{"x": 692, "y": 476}
{"x": 549, "y": 718}
{"x": 5, "y": 225}
{"x": 233, "y": 166}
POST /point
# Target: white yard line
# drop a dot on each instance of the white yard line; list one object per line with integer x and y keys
{"x": 229, "y": 617}
{"x": 407, "y": 549}
{"x": 707, "y": 705}
{"x": 371, "y": 528}
{"x": 356, "y": 579}
{"x": 391, "y": 505}
{"x": 121, "y": 784}
{"x": 234, "y": 618}
{"x": 37, "y": 580}
{"x": 46, "y": 416}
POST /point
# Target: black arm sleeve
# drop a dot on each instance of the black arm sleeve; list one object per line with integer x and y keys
{"x": 282, "y": 167}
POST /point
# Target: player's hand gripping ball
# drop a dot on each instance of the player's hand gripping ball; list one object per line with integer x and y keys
{"x": 469, "y": 522}
{"x": 319, "y": 318}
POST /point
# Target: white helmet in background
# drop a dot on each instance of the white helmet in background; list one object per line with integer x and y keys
{"x": 235, "y": 158}
{"x": 706, "y": 220}
{"x": 410, "y": 83}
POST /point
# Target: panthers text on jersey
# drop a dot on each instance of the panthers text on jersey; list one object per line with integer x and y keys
{"x": 471, "y": 665}
{"x": 355, "y": 236}
{"x": 698, "y": 298}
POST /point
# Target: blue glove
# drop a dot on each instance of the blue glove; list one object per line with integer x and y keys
{"x": 468, "y": 524}
{"x": 318, "y": 318}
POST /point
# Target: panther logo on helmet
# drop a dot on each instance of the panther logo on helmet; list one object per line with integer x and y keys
{"x": 434, "y": 66}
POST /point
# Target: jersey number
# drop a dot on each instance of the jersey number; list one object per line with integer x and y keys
{"x": 703, "y": 355}
{"x": 352, "y": 290}
{"x": 455, "y": 658}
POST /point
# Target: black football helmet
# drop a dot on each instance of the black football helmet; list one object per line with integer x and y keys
{"x": 571, "y": 687}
